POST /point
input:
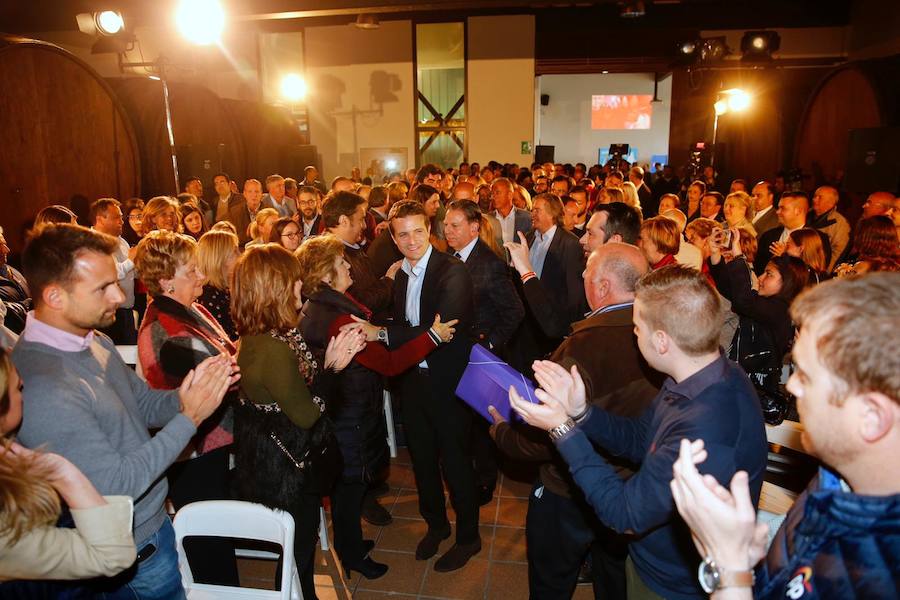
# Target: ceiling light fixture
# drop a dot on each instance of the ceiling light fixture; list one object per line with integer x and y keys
{"x": 367, "y": 21}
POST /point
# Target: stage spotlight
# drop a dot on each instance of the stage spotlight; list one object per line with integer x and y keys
{"x": 759, "y": 45}
{"x": 200, "y": 21}
{"x": 738, "y": 100}
{"x": 109, "y": 22}
{"x": 293, "y": 87}
{"x": 713, "y": 49}
{"x": 721, "y": 107}
{"x": 688, "y": 48}
{"x": 391, "y": 164}
{"x": 105, "y": 23}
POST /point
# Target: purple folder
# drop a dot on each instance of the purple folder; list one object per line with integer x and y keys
{"x": 486, "y": 382}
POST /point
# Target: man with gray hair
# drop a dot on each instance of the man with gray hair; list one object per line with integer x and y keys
{"x": 560, "y": 527}
{"x": 825, "y": 218}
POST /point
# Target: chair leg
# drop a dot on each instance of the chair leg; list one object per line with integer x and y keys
{"x": 389, "y": 418}
{"x": 323, "y": 530}
{"x": 296, "y": 590}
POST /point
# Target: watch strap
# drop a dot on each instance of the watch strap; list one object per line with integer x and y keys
{"x": 738, "y": 579}
{"x": 560, "y": 430}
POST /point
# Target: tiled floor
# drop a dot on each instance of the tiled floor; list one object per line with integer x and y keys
{"x": 499, "y": 571}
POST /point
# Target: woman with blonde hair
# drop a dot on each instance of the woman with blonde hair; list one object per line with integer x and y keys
{"x": 608, "y": 195}
{"x": 217, "y": 253}
{"x": 32, "y": 484}
{"x": 160, "y": 212}
{"x": 738, "y": 212}
{"x": 356, "y": 405}
{"x": 284, "y": 443}
{"x": 261, "y": 227}
{"x": 521, "y": 198}
{"x": 659, "y": 241}
{"x": 630, "y": 195}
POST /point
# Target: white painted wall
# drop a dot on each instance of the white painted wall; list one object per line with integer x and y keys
{"x": 500, "y": 88}
{"x": 566, "y": 122}
{"x": 340, "y": 64}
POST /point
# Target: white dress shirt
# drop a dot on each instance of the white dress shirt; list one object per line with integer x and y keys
{"x": 539, "y": 247}
{"x": 416, "y": 276}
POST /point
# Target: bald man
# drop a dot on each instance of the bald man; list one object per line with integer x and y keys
{"x": 560, "y": 528}
{"x": 792, "y": 214}
{"x": 878, "y": 203}
{"x": 825, "y": 218}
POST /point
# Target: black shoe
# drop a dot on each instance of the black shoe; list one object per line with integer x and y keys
{"x": 485, "y": 494}
{"x": 428, "y": 545}
{"x": 378, "y": 490}
{"x": 368, "y": 546}
{"x": 368, "y": 568}
{"x": 584, "y": 574}
{"x": 457, "y": 557}
{"x": 375, "y": 513}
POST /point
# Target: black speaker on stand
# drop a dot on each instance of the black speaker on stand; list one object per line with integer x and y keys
{"x": 544, "y": 154}
{"x": 873, "y": 160}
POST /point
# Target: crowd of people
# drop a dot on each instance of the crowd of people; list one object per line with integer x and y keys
{"x": 655, "y": 316}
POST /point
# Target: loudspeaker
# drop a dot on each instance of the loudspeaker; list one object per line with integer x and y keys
{"x": 544, "y": 154}
{"x": 545, "y": 99}
{"x": 873, "y": 160}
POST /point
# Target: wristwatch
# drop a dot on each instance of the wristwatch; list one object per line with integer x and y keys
{"x": 713, "y": 577}
{"x": 560, "y": 430}
{"x": 382, "y": 335}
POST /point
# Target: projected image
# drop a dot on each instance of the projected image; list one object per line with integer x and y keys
{"x": 621, "y": 112}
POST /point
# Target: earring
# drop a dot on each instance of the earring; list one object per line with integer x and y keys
{"x": 170, "y": 289}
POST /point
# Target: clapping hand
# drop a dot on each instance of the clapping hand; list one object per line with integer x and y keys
{"x": 203, "y": 388}
{"x": 518, "y": 253}
{"x": 777, "y": 248}
{"x": 565, "y": 387}
{"x": 723, "y": 524}
{"x": 343, "y": 347}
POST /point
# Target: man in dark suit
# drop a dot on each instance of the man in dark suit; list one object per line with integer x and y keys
{"x": 498, "y": 312}
{"x": 308, "y": 214}
{"x": 791, "y": 213}
{"x": 243, "y": 214}
{"x": 512, "y": 220}
{"x": 225, "y": 199}
{"x": 560, "y": 526}
{"x": 649, "y": 202}
{"x": 437, "y": 423}
{"x": 550, "y": 262}
{"x": 765, "y": 216}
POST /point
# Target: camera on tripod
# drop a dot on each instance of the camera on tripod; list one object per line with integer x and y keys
{"x": 616, "y": 153}
{"x": 701, "y": 153}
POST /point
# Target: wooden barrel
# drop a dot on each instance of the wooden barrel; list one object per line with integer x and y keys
{"x": 266, "y": 131}
{"x": 64, "y": 138}
{"x": 206, "y": 139}
{"x": 853, "y": 96}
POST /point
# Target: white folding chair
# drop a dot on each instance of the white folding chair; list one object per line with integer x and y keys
{"x": 130, "y": 357}
{"x": 389, "y": 419}
{"x": 243, "y": 520}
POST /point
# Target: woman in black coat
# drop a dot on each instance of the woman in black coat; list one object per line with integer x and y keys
{"x": 765, "y": 332}
{"x": 356, "y": 406}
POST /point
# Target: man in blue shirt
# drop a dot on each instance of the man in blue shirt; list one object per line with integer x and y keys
{"x": 677, "y": 318}
{"x": 841, "y": 539}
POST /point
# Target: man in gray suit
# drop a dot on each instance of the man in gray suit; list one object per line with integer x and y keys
{"x": 512, "y": 220}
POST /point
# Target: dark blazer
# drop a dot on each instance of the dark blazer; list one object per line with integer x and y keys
{"x": 239, "y": 216}
{"x": 769, "y": 221}
{"x": 318, "y": 226}
{"x": 552, "y": 302}
{"x": 498, "y": 308}
{"x": 447, "y": 290}
{"x": 382, "y": 253}
{"x": 373, "y": 292}
{"x": 234, "y": 200}
{"x": 649, "y": 202}
{"x": 763, "y": 255}
{"x": 523, "y": 223}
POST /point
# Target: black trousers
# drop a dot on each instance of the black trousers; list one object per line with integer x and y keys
{"x": 484, "y": 452}
{"x": 437, "y": 426}
{"x": 560, "y": 532}
{"x": 346, "y": 512}
{"x": 205, "y": 478}
{"x": 306, "y": 535}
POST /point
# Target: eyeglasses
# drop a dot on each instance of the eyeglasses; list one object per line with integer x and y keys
{"x": 294, "y": 235}
{"x": 137, "y": 217}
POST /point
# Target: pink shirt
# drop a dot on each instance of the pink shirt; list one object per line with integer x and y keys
{"x": 38, "y": 331}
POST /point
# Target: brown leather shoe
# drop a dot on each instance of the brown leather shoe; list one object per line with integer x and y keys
{"x": 428, "y": 545}
{"x": 457, "y": 556}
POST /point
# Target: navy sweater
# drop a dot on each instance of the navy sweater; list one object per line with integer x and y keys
{"x": 716, "y": 404}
